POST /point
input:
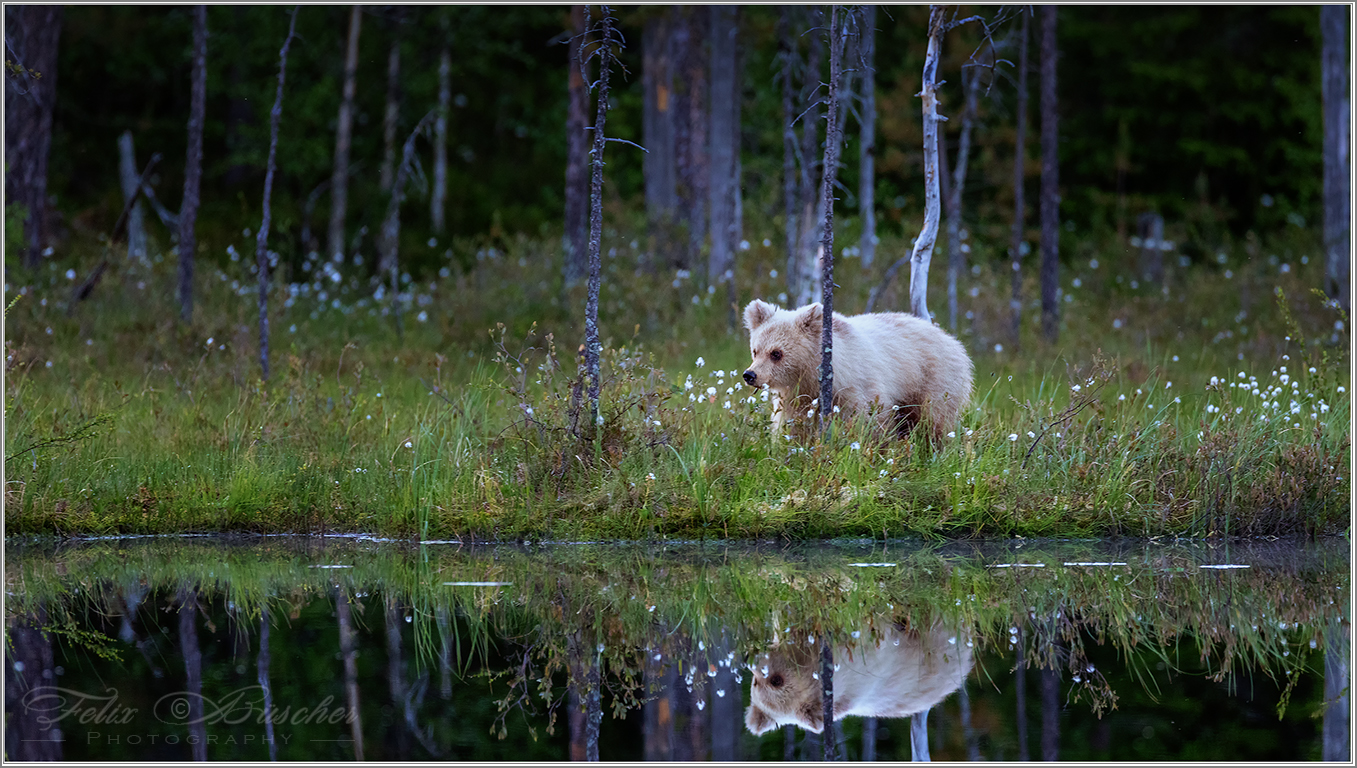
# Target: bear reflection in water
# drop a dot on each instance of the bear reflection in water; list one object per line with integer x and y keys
{"x": 900, "y": 673}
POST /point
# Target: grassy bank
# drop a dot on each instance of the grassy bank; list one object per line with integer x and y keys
{"x": 1205, "y": 407}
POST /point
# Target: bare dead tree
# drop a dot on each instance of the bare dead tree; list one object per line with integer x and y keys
{"x": 261, "y": 243}
{"x": 1019, "y": 177}
{"x": 787, "y": 53}
{"x": 438, "y": 197}
{"x": 956, "y": 258}
{"x": 339, "y": 187}
{"x": 193, "y": 671}
{"x": 831, "y": 744}
{"x": 193, "y": 164}
{"x": 31, "y": 35}
{"x": 348, "y": 651}
{"x": 265, "y": 685}
{"x": 867, "y": 150}
{"x": 388, "y": 241}
{"x": 605, "y": 37}
{"x": 1333, "y": 22}
{"x": 725, "y": 152}
{"x": 391, "y": 117}
{"x": 127, "y": 177}
{"x": 833, "y": 138}
{"x": 576, "y": 173}
{"x": 86, "y": 286}
{"x": 1050, "y": 179}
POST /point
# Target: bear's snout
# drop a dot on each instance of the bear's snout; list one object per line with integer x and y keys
{"x": 750, "y": 377}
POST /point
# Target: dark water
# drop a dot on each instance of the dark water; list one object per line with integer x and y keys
{"x": 298, "y": 648}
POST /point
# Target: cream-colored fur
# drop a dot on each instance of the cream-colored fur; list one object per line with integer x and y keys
{"x": 895, "y": 365}
{"x": 903, "y": 673}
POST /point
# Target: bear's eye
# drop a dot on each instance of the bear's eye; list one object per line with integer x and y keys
{"x": 776, "y": 680}
{"x": 776, "y": 355}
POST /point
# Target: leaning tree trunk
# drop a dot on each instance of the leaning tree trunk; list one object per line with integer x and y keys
{"x": 790, "y": 197}
{"x": 127, "y": 177}
{"x": 1050, "y": 181}
{"x": 833, "y": 137}
{"x": 193, "y": 164}
{"x": 391, "y": 118}
{"x": 388, "y": 241}
{"x": 1333, "y": 22}
{"x": 725, "y": 94}
{"x": 956, "y": 258}
{"x": 261, "y": 243}
{"x": 923, "y": 247}
{"x": 657, "y": 132}
{"x": 1019, "y": 174}
{"x": 438, "y": 198}
{"x": 31, "y": 34}
{"x": 576, "y": 148}
{"x": 867, "y": 151}
{"x": 339, "y": 181}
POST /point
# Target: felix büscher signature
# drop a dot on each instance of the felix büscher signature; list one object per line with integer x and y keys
{"x": 49, "y": 705}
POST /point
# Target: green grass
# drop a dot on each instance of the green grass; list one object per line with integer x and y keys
{"x": 121, "y": 420}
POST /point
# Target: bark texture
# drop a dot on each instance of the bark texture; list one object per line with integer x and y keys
{"x": 867, "y": 150}
{"x": 261, "y": 243}
{"x": 592, "y": 347}
{"x": 1333, "y": 22}
{"x": 725, "y": 131}
{"x": 833, "y": 137}
{"x": 690, "y": 134}
{"x": 1050, "y": 179}
{"x": 577, "y": 154}
{"x": 193, "y": 165}
{"x": 657, "y": 132}
{"x": 339, "y": 180}
{"x": 1019, "y": 204}
{"x": 923, "y": 247}
{"x": 128, "y": 179}
{"x": 31, "y": 35}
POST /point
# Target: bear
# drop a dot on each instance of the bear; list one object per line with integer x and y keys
{"x": 902, "y": 673}
{"x": 900, "y": 368}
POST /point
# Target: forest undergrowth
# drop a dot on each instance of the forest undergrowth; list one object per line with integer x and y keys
{"x": 1216, "y": 404}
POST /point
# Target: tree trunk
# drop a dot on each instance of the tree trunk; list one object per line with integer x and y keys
{"x": 444, "y": 619}
{"x": 128, "y": 178}
{"x": 592, "y": 347}
{"x": 585, "y": 698}
{"x": 265, "y": 686}
{"x": 790, "y": 197}
{"x": 956, "y": 258}
{"x": 867, "y": 151}
{"x": 193, "y": 672}
{"x": 348, "y": 651}
{"x": 833, "y": 137}
{"x": 1333, "y": 22}
{"x": 725, "y": 94}
{"x": 808, "y": 272}
{"x": 391, "y": 118}
{"x": 577, "y": 154}
{"x": 923, "y": 247}
{"x": 657, "y": 130}
{"x": 339, "y": 182}
{"x": 918, "y": 737}
{"x": 1050, "y": 179}
{"x": 1050, "y": 713}
{"x": 1151, "y": 231}
{"x": 826, "y": 652}
{"x": 869, "y": 739}
{"x": 388, "y": 241}
{"x": 1336, "y": 733}
{"x": 31, "y": 35}
{"x": 395, "y": 670}
{"x": 1019, "y": 175}
{"x": 261, "y": 243}
{"x": 438, "y": 198}
{"x": 690, "y": 134}
{"x": 193, "y": 165}
{"x": 1020, "y": 693}
{"x": 29, "y": 665}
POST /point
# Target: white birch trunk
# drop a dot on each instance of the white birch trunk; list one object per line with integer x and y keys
{"x": 923, "y": 247}
{"x": 956, "y": 261}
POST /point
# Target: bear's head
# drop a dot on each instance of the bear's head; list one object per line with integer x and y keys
{"x": 785, "y": 344}
{"x": 784, "y": 692}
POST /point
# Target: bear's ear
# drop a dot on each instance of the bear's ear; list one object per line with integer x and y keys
{"x": 757, "y": 313}
{"x": 757, "y": 721}
{"x": 812, "y": 715}
{"x": 812, "y": 318}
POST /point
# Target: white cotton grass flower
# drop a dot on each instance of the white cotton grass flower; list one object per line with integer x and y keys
{"x": 1013, "y": 438}
{"x": 701, "y": 362}
{"x": 1031, "y": 434}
